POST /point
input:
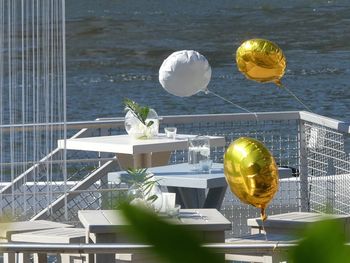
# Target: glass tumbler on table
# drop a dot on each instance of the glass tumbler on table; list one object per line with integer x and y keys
{"x": 170, "y": 132}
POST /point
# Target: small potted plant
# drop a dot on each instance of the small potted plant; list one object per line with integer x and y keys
{"x": 143, "y": 190}
{"x": 141, "y": 122}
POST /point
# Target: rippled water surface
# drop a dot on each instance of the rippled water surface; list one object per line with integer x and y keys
{"x": 115, "y": 49}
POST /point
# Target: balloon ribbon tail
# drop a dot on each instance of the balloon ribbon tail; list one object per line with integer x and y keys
{"x": 263, "y": 214}
{"x": 278, "y": 83}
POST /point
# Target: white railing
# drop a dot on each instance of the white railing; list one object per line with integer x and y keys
{"x": 296, "y": 139}
{"x": 111, "y": 248}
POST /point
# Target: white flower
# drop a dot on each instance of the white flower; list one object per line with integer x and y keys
{"x": 205, "y": 151}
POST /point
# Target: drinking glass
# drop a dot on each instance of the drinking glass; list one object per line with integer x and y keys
{"x": 170, "y": 132}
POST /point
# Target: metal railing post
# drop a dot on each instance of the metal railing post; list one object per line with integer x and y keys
{"x": 304, "y": 202}
{"x": 104, "y": 179}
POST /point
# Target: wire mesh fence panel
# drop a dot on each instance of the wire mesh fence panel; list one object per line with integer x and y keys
{"x": 328, "y": 165}
{"x": 293, "y": 142}
{"x": 279, "y": 136}
{"x": 100, "y": 195}
{"x": 32, "y": 100}
{"x": 42, "y": 180}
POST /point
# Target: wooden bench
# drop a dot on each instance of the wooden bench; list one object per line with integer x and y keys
{"x": 7, "y": 230}
{"x": 261, "y": 255}
{"x": 289, "y": 223}
{"x": 56, "y": 235}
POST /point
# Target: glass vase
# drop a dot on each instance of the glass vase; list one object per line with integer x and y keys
{"x": 198, "y": 151}
{"x": 148, "y": 197}
{"x": 137, "y": 130}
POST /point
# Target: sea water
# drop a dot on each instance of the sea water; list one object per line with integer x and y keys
{"x": 115, "y": 49}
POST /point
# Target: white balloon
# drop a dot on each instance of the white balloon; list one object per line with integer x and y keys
{"x": 185, "y": 73}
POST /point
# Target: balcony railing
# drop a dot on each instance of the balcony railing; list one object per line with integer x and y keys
{"x": 316, "y": 147}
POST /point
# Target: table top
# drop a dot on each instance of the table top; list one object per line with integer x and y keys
{"x": 181, "y": 175}
{"x": 7, "y": 229}
{"x": 295, "y": 220}
{"x": 110, "y": 221}
{"x": 125, "y": 144}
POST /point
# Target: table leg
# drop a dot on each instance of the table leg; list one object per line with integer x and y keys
{"x": 191, "y": 197}
{"x": 195, "y": 198}
{"x": 24, "y": 258}
{"x": 39, "y": 258}
{"x": 160, "y": 158}
{"x": 134, "y": 161}
{"x": 215, "y": 197}
{"x": 214, "y": 237}
{"x": 104, "y": 238}
{"x": 9, "y": 258}
{"x": 178, "y": 196}
{"x": 143, "y": 160}
{"x": 125, "y": 160}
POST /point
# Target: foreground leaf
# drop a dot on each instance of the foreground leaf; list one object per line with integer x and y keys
{"x": 173, "y": 243}
{"x": 322, "y": 243}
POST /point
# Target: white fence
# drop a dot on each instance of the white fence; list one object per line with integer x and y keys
{"x": 315, "y": 147}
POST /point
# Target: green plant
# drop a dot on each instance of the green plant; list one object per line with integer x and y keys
{"x": 145, "y": 181}
{"x": 141, "y": 113}
{"x": 323, "y": 242}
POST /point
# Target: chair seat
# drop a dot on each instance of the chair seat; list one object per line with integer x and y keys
{"x": 260, "y": 255}
{"x": 262, "y": 239}
{"x": 7, "y": 230}
{"x": 56, "y": 235}
{"x": 289, "y": 223}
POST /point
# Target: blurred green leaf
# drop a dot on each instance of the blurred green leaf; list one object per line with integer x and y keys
{"x": 173, "y": 243}
{"x": 323, "y": 242}
{"x": 120, "y": 198}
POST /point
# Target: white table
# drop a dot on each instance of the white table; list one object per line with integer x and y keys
{"x": 136, "y": 152}
{"x": 190, "y": 185}
{"x": 108, "y": 226}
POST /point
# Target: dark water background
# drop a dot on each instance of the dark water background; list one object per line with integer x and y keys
{"x": 115, "y": 49}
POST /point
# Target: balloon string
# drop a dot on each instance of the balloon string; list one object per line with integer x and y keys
{"x": 234, "y": 104}
{"x": 263, "y": 214}
{"x": 294, "y": 96}
{"x": 263, "y": 219}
